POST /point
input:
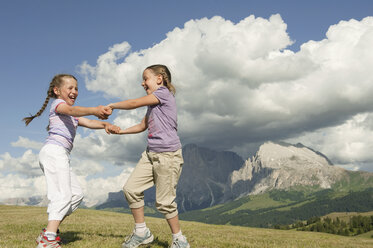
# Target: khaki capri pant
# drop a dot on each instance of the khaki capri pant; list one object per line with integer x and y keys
{"x": 161, "y": 169}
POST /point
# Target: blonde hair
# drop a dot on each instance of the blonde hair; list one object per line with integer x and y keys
{"x": 166, "y": 76}
{"x": 57, "y": 81}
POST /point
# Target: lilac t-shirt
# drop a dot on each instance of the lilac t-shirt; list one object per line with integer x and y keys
{"x": 162, "y": 123}
{"x": 62, "y": 128}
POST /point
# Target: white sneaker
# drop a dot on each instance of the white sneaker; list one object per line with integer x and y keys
{"x": 134, "y": 240}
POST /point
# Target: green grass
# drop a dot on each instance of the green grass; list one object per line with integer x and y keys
{"x": 366, "y": 235}
{"x": 19, "y": 226}
{"x": 354, "y": 181}
{"x": 289, "y": 207}
{"x": 280, "y": 207}
{"x": 258, "y": 202}
{"x": 345, "y": 216}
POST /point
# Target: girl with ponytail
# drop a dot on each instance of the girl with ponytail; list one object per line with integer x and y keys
{"x": 161, "y": 162}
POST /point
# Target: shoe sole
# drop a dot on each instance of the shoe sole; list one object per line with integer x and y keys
{"x": 148, "y": 241}
{"x": 38, "y": 239}
{"x": 43, "y": 245}
{"x": 144, "y": 242}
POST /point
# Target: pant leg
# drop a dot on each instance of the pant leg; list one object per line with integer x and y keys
{"x": 77, "y": 193}
{"x": 167, "y": 170}
{"x": 140, "y": 180}
{"x": 55, "y": 163}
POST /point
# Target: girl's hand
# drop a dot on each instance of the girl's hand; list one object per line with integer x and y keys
{"x": 112, "y": 129}
{"x": 111, "y": 106}
{"x": 103, "y": 112}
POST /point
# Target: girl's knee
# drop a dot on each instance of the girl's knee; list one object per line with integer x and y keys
{"x": 134, "y": 199}
{"x": 128, "y": 190}
{"x": 168, "y": 209}
{"x": 128, "y": 193}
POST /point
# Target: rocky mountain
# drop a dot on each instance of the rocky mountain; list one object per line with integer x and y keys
{"x": 202, "y": 183}
{"x": 210, "y": 177}
{"x": 283, "y": 184}
{"x": 204, "y": 177}
{"x": 282, "y": 166}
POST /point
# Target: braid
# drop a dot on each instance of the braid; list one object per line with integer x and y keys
{"x": 167, "y": 82}
{"x": 56, "y": 82}
{"x": 27, "y": 120}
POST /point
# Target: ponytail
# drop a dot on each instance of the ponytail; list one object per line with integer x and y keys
{"x": 56, "y": 82}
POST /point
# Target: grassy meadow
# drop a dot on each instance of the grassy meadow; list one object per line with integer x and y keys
{"x": 19, "y": 226}
{"x": 345, "y": 216}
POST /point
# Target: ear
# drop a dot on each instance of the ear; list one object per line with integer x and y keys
{"x": 159, "y": 79}
{"x": 56, "y": 91}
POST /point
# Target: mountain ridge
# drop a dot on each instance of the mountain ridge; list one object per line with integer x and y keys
{"x": 279, "y": 166}
{"x": 210, "y": 178}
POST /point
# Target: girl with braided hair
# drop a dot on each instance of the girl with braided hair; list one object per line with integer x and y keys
{"x": 161, "y": 162}
{"x": 64, "y": 191}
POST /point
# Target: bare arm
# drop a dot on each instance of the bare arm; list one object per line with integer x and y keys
{"x": 135, "y": 103}
{"x": 141, "y": 127}
{"x": 96, "y": 124}
{"x": 101, "y": 112}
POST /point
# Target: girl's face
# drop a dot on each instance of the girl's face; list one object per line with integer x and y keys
{"x": 68, "y": 90}
{"x": 150, "y": 81}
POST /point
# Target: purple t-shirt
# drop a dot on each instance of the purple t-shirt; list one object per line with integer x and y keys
{"x": 62, "y": 128}
{"x": 162, "y": 123}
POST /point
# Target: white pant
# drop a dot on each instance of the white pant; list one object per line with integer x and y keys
{"x": 64, "y": 191}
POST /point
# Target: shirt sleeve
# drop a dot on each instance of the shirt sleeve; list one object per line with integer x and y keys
{"x": 162, "y": 93}
{"x": 56, "y": 103}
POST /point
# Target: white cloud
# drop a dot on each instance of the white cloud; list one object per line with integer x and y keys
{"x": 86, "y": 167}
{"x": 18, "y": 186}
{"x": 96, "y": 190}
{"x": 238, "y": 85}
{"x": 103, "y": 148}
{"x": 26, "y": 165}
{"x": 21, "y": 177}
{"x": 348, "y": 145}
{"x": 27, "y": 143}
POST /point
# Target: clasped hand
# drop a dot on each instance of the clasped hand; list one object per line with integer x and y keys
{"x": 112, "y": 129}
{"x": 103, "y": 112}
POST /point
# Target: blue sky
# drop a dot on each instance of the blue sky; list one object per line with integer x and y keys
{"x": 42, "y": 38}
